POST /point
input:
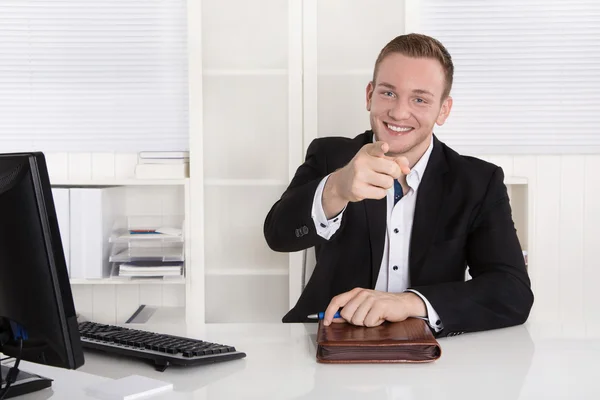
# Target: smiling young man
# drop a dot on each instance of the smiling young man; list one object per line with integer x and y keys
{"x": 396, "y": 216}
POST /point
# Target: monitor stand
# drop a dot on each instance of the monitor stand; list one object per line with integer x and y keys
{"x": 25, "y": 383}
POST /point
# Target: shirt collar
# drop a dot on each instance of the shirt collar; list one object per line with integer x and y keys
{"x": 413, "y": 179}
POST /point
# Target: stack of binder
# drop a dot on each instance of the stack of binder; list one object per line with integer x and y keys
{"x": 91, "y": 216}
{"x": 145, "y": 252}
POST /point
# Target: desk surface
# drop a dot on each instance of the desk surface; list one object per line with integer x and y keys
{"x": 524, "y": 362}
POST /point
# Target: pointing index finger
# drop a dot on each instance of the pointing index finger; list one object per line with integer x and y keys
{"x": 403, "y": 163}
{"x": 378, "y": 149}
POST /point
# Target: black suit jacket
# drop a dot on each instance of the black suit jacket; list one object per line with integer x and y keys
{"x": 462, "y": 218}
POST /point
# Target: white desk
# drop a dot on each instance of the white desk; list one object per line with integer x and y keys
{"x": 524, "y": 362}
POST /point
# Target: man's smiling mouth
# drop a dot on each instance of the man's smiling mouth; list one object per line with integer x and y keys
{"x": 398, "y": 129}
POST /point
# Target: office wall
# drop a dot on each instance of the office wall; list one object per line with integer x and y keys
{"x": 564, "y": 253}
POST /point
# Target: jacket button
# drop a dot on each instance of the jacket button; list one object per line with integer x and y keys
{"x": 395, "y": 268}
{"x": 305, "y": 229}
{"x": 396, "y": 230}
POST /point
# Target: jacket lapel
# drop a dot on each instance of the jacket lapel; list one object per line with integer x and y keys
{"x": 376, "y": 213}
{"x": 376, "y": 216}
{"x": 428, "y": 205}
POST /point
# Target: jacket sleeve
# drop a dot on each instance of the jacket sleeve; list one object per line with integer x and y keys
{"x": 499, "y": 294}
{"x": 289, "y": 225}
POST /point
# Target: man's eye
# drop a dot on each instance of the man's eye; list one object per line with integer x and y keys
{"x": 419, "y": 100}
{"x": 388, "y": 94}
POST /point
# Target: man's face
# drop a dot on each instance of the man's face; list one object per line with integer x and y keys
{"x": 405, "y": 102}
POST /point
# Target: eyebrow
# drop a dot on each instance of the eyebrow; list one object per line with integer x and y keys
{"x": 387, "y": 85}
{"x": 422, "y": 91}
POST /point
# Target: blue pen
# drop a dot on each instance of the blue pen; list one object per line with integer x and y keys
{"x": 321, "y": 315}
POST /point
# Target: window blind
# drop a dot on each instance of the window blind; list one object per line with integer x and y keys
{"x": 527, "y": 73}
{"x": 93, "y": 75}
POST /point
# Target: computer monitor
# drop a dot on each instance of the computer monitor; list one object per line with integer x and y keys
{"x": 36, "y": 304}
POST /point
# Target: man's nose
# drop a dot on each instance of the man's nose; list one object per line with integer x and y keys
{"x": 400, "y": 110}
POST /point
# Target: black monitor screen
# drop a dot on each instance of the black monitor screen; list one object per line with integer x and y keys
{"x": 34, "y": 285}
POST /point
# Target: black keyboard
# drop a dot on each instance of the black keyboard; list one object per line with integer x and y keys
{"x": 162, "y": 349}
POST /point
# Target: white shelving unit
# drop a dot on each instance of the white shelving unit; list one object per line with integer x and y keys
{"x": 127, "y": 282}
{"x": 117, "y": 182}
{"x": 242, "y": 155}
{"x": 113, "y": 300}
{"x": 515, "y": 180}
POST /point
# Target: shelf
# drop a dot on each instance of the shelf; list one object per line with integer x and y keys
{"x": 245, "y": 182}
{"x": 118, "y": 182}
{"x": 158, "y": 239}
{"x": 109, "y": 281}
{"x": 515, "y": 180}
{"x": 247, "y": 271}
{"x": 244, "y": 72}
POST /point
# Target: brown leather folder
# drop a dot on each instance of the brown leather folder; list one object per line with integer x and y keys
{"x": 391, "y": 342}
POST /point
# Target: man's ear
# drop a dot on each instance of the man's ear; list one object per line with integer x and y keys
{"x": 444, "y": 111}
{"x": 370, "y": 89}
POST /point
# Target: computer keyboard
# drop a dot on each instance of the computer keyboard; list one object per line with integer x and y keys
{"x": 162, "y": 349}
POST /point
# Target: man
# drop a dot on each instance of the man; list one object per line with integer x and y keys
{"x": 396, "y": 216}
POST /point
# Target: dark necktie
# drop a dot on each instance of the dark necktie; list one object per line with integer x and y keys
{"x": 397, "y": 191}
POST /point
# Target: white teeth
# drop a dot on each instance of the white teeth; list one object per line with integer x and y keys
{"x": 397, "y": 128}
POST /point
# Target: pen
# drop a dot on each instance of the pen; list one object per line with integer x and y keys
{"x": 321, "y": 315}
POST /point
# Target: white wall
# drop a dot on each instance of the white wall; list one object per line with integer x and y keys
{"x": 564, "y": 253}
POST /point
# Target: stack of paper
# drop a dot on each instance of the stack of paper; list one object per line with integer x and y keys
{"x": 162, "y": 165}
{"x": 163, "y": 157}
{"x": 143, "y": 251}
{"x": 150, "y": 269}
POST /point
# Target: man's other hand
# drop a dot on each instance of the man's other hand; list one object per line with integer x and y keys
{"x": 365, "y": 307}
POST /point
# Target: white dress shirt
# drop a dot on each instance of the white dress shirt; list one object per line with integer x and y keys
{"x": 394, "y": 272}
